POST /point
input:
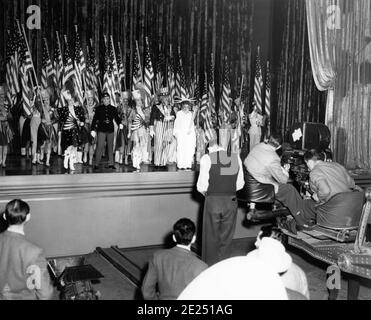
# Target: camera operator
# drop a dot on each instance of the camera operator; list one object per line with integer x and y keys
{"x": 326, "y": 180}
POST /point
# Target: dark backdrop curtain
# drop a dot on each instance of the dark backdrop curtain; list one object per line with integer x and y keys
{"x": 295, "y": 96}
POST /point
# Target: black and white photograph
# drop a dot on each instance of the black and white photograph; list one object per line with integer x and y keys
{"x": 206, "y": 151}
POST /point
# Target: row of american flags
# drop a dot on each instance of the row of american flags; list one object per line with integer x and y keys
{"x": 80, "y": 72}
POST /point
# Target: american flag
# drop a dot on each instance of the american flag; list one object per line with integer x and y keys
{"x": 95, "y": 67}
{"x": 268, "y": 97}
{"x": 48, "y": 74}
{"x": 68, "y": 70}
{"x": 148, "y": 70}
{"x": 115, "y": 68}
{"x": 121, "y": 67}
{"x": 12, "y": 66}
{"x": 212, "y": 87}
{"x": 58, "y": 67}
{"x": 80, "y": 68}
{"x": 205, "y": 114}
{"x": 171, "y": 79}
{"x": 108, "y": 77}
{"x": 26, "y": 82}
{"x": 91, "y": 80}
{"x": 137, "y": 71}
{"x": 258, "y": 82}
{"x": 226, "y": 92}
{"x": 181, "y": 79}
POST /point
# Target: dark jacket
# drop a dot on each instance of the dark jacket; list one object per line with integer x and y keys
{"x": 21, "y": 262}
{"x": 103, "y": 118}
{"x": 171, "y": 270}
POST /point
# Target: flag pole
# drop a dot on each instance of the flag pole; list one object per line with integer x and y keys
{"x": 33, "y": 67}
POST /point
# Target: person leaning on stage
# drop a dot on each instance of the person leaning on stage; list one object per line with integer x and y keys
{"x": 171, "y": 270}
{"x": 220, "y": 177}
{"x": 326, "y": 180}
{"x": 102, "y": 123}
{"x": 23, "y": 268}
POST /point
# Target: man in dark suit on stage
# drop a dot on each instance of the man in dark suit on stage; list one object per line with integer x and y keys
{"x": 23, "y": 268}
{"x": 102, "y": 123}
{"x": 171, "y": 270}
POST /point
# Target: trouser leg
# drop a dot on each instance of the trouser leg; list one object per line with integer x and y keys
{"x": 100, "y": 146}
{"x": 110, "y": 137}
{"x": 302, "y": 210}
{"x": 227, "y": 227}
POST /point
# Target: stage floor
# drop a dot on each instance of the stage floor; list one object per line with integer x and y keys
{"x": 20, "y": 165}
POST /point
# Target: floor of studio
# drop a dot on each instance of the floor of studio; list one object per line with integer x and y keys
{"x": 117, "y": 286}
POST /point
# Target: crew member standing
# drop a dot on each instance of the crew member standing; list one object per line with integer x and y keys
{"x": 103, "y": 124}
{"x": 221, "y": 175}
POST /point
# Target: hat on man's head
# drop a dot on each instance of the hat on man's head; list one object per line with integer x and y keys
{"x": 163, "y": 91}
{"x": 105, "y": 95}
{"x": 137, "y": 95}
{"x": 89, "y": 94}
{"x": 273, "y": 253}
{"x": 125, "y": 94}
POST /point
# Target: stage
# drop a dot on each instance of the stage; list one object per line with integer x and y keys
{"x": 72, "y": 214}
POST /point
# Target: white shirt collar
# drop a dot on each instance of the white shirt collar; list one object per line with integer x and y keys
{"x": 184, "y": 247}
{"x": 16, "y": 229}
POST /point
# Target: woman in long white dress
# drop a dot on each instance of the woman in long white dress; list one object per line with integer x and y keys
{"x": 185, "y": 134}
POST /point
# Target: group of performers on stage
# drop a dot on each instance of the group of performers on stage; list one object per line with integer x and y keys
{"x": 157, "y": 129}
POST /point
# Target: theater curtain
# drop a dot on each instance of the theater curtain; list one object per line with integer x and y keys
{"x": 340, "y": 49}
{"x": 296, "y": 96}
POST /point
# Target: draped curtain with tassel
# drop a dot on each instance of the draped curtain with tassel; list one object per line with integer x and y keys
{"x": 296, "y": 95}
{"x": 340, "y": 49}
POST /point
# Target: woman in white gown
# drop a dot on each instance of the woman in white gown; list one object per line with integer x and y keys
{"x": 185, "y": 134}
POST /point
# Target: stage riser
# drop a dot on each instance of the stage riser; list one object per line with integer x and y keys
{"x": 74, "y": 214}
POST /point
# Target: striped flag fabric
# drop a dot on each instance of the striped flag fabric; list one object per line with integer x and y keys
{"x": 148, "y": 70}
{"x": 108, "y": 77}
{"x": 12, "y": 67}
{"x": 121, "y": 68}
{"x": 137, "y": 72}
{"x": 258, "y": 82}
{"x": 181, "y": 80}
{"x": 226, "y": 92}
{"x": 68, "y": 69}
{"x": 205, "y": 114}
{"x": 26, "y": 82}
{"x": 58, "y": 63}
{"x": 48, "y": 73}
{"x": 212, "y": 88}
{"x": 80, "y": 68}
{"x": 267, "y": 105}
{"x": 115, "y": 68}
{"x": 171, "y": 80}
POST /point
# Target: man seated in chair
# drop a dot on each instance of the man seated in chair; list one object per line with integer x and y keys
{"x": 336, "y": 200}
{"x": 264, "y": 165}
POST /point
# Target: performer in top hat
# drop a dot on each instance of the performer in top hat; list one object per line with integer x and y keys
{"x": 89, "y": 141}
{"x": 184, "y": 131}
{"x": 161, "y": 127}
{"x": 122, "y": 142}
{"x": 6, "y": 134}
{"x": 102, "y": 123}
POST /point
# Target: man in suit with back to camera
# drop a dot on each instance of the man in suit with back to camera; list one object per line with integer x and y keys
{"x": 23, "y": 268}
{"x": 102, "y": 123}
{"x": 171, "y": 270}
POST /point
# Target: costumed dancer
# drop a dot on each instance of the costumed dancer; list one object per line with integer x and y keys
{"x": 71, "y": 118}
{"x": 122, "y": 141}
{"x": 36, "y": 109}
{"x": 47, "y": 135}
{"x": 138, "y": 132}
{"x": 115, "y": 150}
{"x": 185, "y": 134}
{"x": 161, "y": 127}
{"x": 6, "y": 134}
{"x": 256, "y": 121}
{"x": 102, "y": 127}
{"x": 88, "y": 141}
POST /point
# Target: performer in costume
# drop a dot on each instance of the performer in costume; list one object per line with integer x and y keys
{"x": 161, "y": 127}
{"x": 6, "y": 134}
{"x": 256, "y": 120}
{"x": 88, "y": 140}
{"x": 47, "y": 136}
{"x": 71, "y": 117}
{"x": 184, "y": 131}
{"x": 36, "y": 109}
{"x": 102, "y": 123}
{"x": 138, "y": 132}
{"x": 115, "y": 127}
{"x": 122, "y": 142}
